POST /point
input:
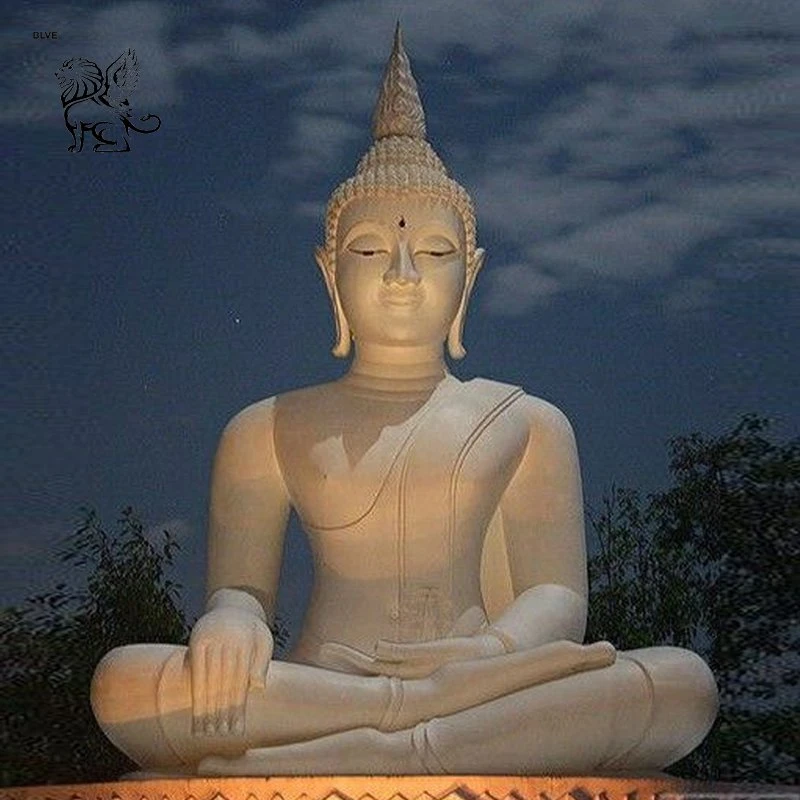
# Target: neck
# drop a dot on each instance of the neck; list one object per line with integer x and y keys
{"x": 400, "y": 369}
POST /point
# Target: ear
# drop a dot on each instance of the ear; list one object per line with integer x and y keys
{"x": 455, "y": 345}
{"x": 342, "y": 347}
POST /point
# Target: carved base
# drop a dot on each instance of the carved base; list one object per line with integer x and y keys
{"x": 407, "y": 787}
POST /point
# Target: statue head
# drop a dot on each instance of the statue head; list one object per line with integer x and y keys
{"x": 402, "y": 187}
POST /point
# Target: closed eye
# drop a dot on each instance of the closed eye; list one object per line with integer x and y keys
{"x": 437, "y": 253}
{"x": 365, "y": 252}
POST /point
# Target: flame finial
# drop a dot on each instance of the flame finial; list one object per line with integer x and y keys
{"x": 398, "y": 111}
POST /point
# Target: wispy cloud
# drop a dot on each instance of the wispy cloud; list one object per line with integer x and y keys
{"x": 693, "y": 294}
{"x": 614, "y": 138}
{"x": 655, "y": 130}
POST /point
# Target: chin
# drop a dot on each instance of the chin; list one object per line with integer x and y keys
{"x": 410, "y": 338}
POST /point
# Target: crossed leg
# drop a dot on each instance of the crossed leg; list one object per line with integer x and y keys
{"x": 490, "y": 715}
{"x": 141, "y": 697}
{"x": 647, "y": 710}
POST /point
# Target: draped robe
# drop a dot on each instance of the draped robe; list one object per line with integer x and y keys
{"x": 397, "y": 529}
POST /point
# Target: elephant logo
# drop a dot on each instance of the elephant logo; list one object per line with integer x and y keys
{"x": 100, "y": 105}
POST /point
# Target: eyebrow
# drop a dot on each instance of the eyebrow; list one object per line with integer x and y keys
{"x": 425, "y": 229}
{"x": 351, "y": 233}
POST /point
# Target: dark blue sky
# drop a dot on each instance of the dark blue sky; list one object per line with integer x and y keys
{"x": 634, "y": 167}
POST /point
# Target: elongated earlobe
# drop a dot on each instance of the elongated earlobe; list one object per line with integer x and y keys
{"x": 342, "y": 347}
{"x": 455, "y": 336}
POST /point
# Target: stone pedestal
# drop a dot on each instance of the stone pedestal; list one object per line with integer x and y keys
{"x": 407, "y": 787}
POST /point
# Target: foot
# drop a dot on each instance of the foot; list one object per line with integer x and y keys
{"x": 358, "y": 752}
{"x": 466, "y": 684}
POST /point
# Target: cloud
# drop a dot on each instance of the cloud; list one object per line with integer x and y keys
{"x": 625, "y": 177}
{"x": 317, "y": 139}
{"x": 650, "y": 146}
{"x": 606, "y": 139}
{"x": 517, "y": 287}
{"x": 637, "y": 245}
{"x": 242, "y": 6}
{"x": 748, "y": 259}
{"x": 141, "y": 26}
{"x": 691, "y": 294}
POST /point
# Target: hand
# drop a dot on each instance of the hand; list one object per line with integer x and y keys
{"x": 466, "y": 642}
{"x": 229, "y": 652}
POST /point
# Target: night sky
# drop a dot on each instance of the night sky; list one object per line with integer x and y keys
{"x": 634, "y": 165}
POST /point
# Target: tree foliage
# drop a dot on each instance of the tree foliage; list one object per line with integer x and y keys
{"x": 711, "y": 563}
{"x": 50, "y": 645}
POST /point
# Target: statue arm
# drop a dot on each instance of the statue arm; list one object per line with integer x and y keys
{"x": 542, "y": 513}
{"x": 230, "y": 646}
{"x": 248, "y": 513}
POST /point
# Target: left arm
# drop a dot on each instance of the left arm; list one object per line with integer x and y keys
{"x": 542, "y": 513}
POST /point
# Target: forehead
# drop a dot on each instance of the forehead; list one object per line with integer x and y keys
{"x": 408, "y": 211}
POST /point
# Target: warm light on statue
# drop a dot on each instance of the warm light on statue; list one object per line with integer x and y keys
{"x": 445, "y": 628}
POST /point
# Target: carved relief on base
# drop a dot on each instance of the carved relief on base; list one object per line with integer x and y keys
{"x": 408, "y": 787}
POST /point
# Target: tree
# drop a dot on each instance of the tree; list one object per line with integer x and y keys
{"x": 51, "y": 644}
{"x": 711, "y": 564}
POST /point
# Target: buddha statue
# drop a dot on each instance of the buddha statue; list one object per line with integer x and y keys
{"x": 445, "y": 627}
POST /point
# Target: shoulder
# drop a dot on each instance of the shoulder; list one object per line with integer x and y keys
{"x": 248, "y": 435}
{"x": 246, "y": 449}
{"x": 547, "y": 480}
{"x": 252, "y": 419}
{"x": 551, "y": 444}
{"x": 542, "y": 417}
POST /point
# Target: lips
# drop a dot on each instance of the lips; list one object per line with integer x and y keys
{"x": 401, "y": 297}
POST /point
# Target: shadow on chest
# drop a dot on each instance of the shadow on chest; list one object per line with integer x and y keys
{"x": 347, "y": 458}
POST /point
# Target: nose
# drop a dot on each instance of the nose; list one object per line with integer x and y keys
{"x": 402, "y": 270}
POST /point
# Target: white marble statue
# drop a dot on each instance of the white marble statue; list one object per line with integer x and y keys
{"x": 450, "y": 596}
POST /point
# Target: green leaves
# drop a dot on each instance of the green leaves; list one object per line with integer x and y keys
{"x": 50, "y": 646}
{"x": 641, "y": 591}
{"x": 711, "y": 563}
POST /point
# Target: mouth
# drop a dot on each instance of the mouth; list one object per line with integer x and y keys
{"x": 401, "y": 298}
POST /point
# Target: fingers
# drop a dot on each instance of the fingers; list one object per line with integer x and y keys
{"x": 214, "y": 689}
{"x": 197, "y": 660}
{"x": 238, "y": 695}
{"x": 392, "y": 651}
{"x": 469, "y": 623}
{"x": 229, "y": 652}
{"x": 226, "y": 689}
{"x": 219, "y": 689}
{"x": 413, "y": 652}
{"x": 411, "y": 660}
{"x": 601, "y": 654}
{"x": 436, "y": 651}
{"x": 347, "y": 659}
{"x": 395, "y": 659}
{"x": 262, "y": 653}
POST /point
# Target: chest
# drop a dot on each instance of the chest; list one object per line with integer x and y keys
{"x": 423, "y": 463}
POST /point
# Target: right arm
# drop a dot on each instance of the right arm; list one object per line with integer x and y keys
{"x": 231, "y": 645}
{"x": 248, "y": 510}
